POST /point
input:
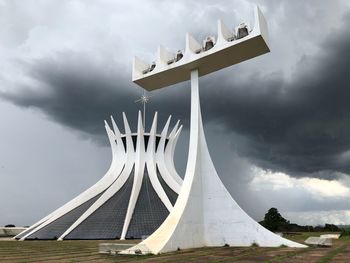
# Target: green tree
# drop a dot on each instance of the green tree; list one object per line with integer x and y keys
{"x": 274, "y": 221}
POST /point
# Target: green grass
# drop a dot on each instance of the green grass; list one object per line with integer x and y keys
{"x": 331, "y": 254}
{"x": 87, "y": 251}
{"x": 290, "y": 254}
{"x": 345, "y": 232}
{"x": 345, "y": 239}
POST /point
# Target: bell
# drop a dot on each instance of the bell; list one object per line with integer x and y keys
{"x": 153, "y": 65}
{"x": 179, "y": 55}
{"x": 242, "y": 30}
{"x": 208, "y": 44}
{"x": 150, "y": 68}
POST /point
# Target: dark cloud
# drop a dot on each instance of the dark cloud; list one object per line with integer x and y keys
{"x": 300, "y": 126}
{"x": 76, "y": 91}
{"x": 285, "y": 111}
{"x": 80, "y": 93}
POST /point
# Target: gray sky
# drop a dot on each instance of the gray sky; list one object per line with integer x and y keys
{"x": 277, "y": 126}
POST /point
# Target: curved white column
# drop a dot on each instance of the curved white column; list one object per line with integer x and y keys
{"x": 205, "y": 214}
{"x": 151, "y": 166}
{"x": 138, "y": 176}
{"x": 122, "y": 152}
{"x": 169, "y": 153}
{"x": 124, "y": 159}
{"x": 129, "y": 161}
{"x": 109, "y": 193}
{"x": 147, "y": 157}
{"x": 160, "y": 159}
{"x": 111, "y": 175}
{"x": 114, "y": 188}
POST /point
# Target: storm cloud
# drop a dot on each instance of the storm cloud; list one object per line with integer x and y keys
{"x": 272, "y": 123}
{"x": 300, "y": 127}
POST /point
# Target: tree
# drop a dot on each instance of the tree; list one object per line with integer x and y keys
{"x": 10, "y": 225}
{"x": 331, "y": 227}
{"x": 274, "y": 221}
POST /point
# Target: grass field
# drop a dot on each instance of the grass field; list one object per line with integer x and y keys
{"x": 87, "y": 251}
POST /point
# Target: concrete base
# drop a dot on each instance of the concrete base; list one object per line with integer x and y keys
{"x": 331, "y": 236}
{"x": 11, "y": 231}
{"x": 319, "y": 242}
{"x": 112, "y": 248}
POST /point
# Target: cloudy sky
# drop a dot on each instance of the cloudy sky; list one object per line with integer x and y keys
{"x": 278, "y": 126}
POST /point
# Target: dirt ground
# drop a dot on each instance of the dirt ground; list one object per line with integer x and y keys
{"x": 87, "y": 251}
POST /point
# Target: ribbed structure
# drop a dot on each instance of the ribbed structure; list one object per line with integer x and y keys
{"x": 131, "y": 200}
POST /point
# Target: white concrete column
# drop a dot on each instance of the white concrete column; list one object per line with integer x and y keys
{"x": 205, "y": 214}
{"x": 138, "y": 176}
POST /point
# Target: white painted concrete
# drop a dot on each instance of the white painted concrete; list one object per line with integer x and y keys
{"x": 226, "y": 52}
{"x": 152, "y": 166}
{"x": 138, "y": 176}
{"x": 123, "y": 161}
{"x": 205, "y": 214}
{"x": 166, "y": 168}
{"x": 331, "y": 236}
{"x": 11, "y": 231}
{"x": 318, "y": 241}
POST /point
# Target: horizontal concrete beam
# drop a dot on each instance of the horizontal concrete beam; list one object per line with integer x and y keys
{"x": 228, "y": 49}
